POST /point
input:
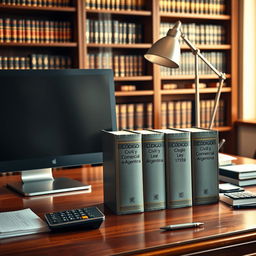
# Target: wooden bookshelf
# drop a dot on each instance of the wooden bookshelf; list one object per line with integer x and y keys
{"x": 122, "y": 46}
{"x": 149, "y": 83}
{"x": 9, "y": 8}
{"x": 195, "y": 16}
{"x": 192, "y": 91}
{"x": 134, "y": 93}
{"x": 230, "y": 48}
{"x": 26, "y": 47}
{"x": 120, "y": 12}
{"x": 17, "y": 44}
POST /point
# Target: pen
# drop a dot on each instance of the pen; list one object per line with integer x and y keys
{"x": 245, "y": 206}
{"x": 182, "y": 225}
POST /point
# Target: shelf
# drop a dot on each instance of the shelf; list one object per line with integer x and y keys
{"x": 71, "y": 44}
{"x": 120, "y": 12}
{"x": 191, "y": 77}
{"x": 134, "y": 78}
{"x": 209, "y": 47}
{"x": 246, "y": 122}
{"x": 223, "y": 128}
{"x": 36, "y": 8}
{"x": 194, "y": 16}
{"x": 127, "y": 46}
{"x": 192, "y": 91}
{"x": 134, "y": 93}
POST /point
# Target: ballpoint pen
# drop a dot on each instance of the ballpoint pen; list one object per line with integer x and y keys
{"x": 182, "y": 226}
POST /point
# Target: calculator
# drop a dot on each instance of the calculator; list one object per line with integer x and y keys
{"x": 82, "y": 218}
{"x": 239, "y": 198}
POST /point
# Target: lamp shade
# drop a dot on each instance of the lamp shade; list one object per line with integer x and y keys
{"x": 166, "y": 51}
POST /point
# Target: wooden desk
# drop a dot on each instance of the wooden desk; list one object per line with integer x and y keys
{"x": 231, "y": 231}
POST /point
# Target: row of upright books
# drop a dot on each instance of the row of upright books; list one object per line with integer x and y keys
{"x": 115, "y": 4}
{"x": 122, "y": 65}
{"x": 134, "y": 115}
{"x": 179, "y": 113}
{"x": 215, "y": 7}
{"x": 153, "y": 170}
{"x": 34, "y": 31}
{"x": 208, "y": 34}
{"x": 107, "y": 31}
{"x": 35, "y": 61}
{"x": 176, "y": 114}
{"x": 187, "y": 64}
{"x": 45, "y": 61}
{"x": 43, "y": 3}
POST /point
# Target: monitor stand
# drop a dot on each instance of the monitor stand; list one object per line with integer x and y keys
{"x": 41, "y": 182}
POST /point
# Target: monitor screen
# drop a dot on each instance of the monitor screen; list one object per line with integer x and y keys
{"x": 54, "y": 118}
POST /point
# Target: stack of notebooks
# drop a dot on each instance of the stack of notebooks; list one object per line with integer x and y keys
{"x": 241, "y": 174}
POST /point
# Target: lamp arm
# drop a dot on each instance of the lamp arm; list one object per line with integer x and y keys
{"x": 216, "y": 102}
{"x": 197, "y": 52}
{"x": 221, "y": 75}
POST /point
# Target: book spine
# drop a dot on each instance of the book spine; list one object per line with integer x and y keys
{"x": 153, "y": 171}
{"x": 230, "y": 174}
{"x": 178, "y": 170}
{"x": 149, "y": 115}
{"x": 205, "y": 167}
{"x": 130, "y": 116}
{"x": 139, "y": 116}
{"x": 123, "y": 182}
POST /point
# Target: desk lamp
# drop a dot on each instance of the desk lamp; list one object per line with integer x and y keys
{"x": 166, "y": 52}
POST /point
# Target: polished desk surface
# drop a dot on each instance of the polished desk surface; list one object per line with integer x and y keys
{"x": 127, "y": 234}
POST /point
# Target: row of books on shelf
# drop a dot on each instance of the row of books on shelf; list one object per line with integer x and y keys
{"x": 34, "y": 30}
{"x": 107, "y": 31}
{"x": 122, "y": 65}
{"x": 48, "y": 3}
{"x": 187, "y": 64}
{"x": 215, "y": 7}
{"x": 35, "y": 61}
{"x": 134, "y": 115}
{"x": 131, "y": 158}
{"x": 189, "y": 85}
{"x": 115, "y": 4}
{"x": 179, "y": 114}
{"x": 208, "y": 34}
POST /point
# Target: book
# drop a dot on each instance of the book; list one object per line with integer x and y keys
{"x": 204, "y": 152}
{"x": 239, "y": 171}
{"x": 139, "y": 115}
{"x": 122, "y": 164}
{"x": 21, "y": 222}
{"x": 178, "y": 168}
{"x": 241, "y": 183}
{"x": 225, "y": 159}
{"x": 153, "y": 162}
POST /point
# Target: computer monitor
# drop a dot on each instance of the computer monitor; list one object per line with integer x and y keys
{"x": 53, "y": 118}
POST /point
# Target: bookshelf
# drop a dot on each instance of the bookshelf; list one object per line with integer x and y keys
{"x": 84, "y": 49}
{"x": 40, "y": 29}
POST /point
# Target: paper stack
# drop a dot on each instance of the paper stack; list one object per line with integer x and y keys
{"x": 22, "y": 222}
